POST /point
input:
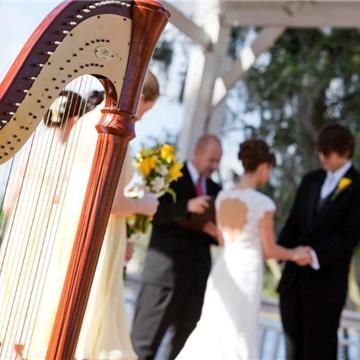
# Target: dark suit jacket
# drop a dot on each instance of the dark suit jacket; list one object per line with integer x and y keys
{"x": 176, "y": 254}
{"x": 333, "y": 230}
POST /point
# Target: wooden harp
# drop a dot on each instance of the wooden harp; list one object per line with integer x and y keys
{"x": 112, "y": 41}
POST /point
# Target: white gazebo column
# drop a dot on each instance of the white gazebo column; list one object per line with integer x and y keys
{"x": 204, "y": 67}
{"x": 215, "y": 120}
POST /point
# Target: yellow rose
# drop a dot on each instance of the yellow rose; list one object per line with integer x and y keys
{"x": 146, "y": 165}
{"x": 167, "y": 153}
{"x": 344, "y": 183}
{"x": 175, "y": 172}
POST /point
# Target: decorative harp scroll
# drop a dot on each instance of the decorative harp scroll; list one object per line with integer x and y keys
{"x": 113, "y": 41}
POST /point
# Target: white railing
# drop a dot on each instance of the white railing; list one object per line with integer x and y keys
{"x": 272, "y": 339}
{"x": 272, "y": 345}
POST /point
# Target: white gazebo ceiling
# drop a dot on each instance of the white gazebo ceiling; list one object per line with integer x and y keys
{"x": 210, "y": 77}
{"x": 303, "y": 13}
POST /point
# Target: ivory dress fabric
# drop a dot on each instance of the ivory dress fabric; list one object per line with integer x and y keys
{"x": 228, "y": 327}
{"x": 104, "y": 333}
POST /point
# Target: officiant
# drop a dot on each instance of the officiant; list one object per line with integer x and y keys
{"x": 178, "y": 260}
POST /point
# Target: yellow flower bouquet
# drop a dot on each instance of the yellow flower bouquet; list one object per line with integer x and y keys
{"x": 156, "y": 168}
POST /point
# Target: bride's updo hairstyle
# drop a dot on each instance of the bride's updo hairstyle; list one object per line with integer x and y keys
{"x": 254, "y": 152}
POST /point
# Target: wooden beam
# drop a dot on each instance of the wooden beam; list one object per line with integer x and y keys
{"x": 189, "y": 28}
{"x": 263, "y": 41}
{"x": 304, "y": 13}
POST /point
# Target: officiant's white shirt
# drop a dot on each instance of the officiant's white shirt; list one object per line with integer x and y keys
{"x": 194, "y": 174}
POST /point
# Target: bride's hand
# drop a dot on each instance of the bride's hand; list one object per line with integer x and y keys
{"x": 150, "y": 204}
{"x": 302, "y": 255}
{"x": 129, "y": 252}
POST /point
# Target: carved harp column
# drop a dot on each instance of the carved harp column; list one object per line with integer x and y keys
{"x": 112, "y": 40}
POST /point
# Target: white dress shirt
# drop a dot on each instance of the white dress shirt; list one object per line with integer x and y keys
{"x": 329, "y": 185}
{"x": 194, "y": 174}
{"x": 333, "y": 178}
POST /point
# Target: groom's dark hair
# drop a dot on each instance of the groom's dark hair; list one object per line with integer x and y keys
{"x": 335, "y": 138}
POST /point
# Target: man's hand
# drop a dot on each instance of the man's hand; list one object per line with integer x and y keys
{"x": 302, "y": 255}
{"x": 211, "y": 229}
{"x": 198, "y": 205}
{"x": 129, "y": 252}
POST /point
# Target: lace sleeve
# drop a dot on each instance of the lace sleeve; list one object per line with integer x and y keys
{"x": 266, "y": 205}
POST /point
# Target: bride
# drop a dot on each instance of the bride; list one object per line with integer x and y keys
{"x": 228, "y": 326}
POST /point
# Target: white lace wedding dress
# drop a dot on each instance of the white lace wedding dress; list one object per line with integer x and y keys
{"x": 228, "y": 327}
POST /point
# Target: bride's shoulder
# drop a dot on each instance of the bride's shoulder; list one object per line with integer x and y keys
{"x": 228, "y": 193}
{"x": 254, "y": 200}
{"x": 265, "y": 202}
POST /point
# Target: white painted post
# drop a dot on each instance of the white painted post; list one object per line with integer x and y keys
{"x": 204, "y": 67}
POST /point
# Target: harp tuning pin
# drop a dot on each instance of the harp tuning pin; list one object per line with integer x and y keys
{"x": 11, "y": 113}
{"x": 24, "y": 91}
{"x": 72, "y": 23}
{"x": 86, "y": 11}
{"x": 65, "y": 32}
{"x": 57, "y": 42}
{"x": 40, "y": 65}
{"x": 49, "y": 52}
{"x": 15, "y": 104}
{"x": 4, "y": 121}
{"x": 92, "y": 7}
{"x": 79, "y": 17}
{"x": 32, "y": 78}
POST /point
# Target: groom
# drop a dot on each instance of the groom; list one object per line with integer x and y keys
{"x": 178, "y": 260}
{"x": 326, "y": 217}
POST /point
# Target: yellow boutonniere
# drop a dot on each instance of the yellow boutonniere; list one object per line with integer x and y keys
{"x": 343, "y": 184}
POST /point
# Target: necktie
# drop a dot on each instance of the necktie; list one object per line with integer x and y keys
{"x": 199, "y": 187}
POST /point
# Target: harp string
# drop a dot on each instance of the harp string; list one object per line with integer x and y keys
{"x": 47, "y": 229}
{"x": 59, "y": 209}
{"x": 30, "y": 193}
{"x": 5, "y": 172}
{"x": 8, "y": 263}
{"x": 48, "y": 221}
{"x": 65, "y": 171}
{"x": 23, "y": 291}
{"x": 10, "y": 234}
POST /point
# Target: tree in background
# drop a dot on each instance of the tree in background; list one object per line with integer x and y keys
{"x": 309, "y": 78}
